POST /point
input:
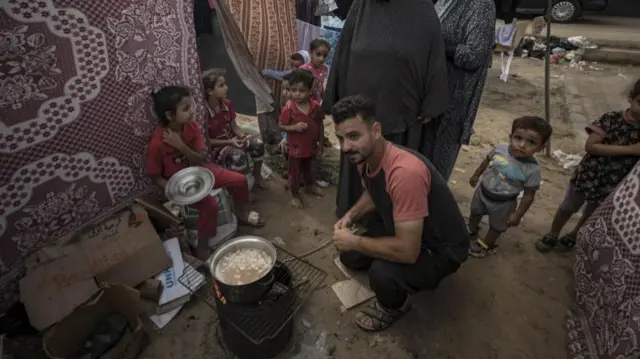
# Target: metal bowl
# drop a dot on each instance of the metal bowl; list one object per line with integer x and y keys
{"x": 189, "y": 185}
{"x": 240, "y": 243}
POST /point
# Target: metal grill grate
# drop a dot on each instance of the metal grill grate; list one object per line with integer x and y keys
{"x": 306, "y": 278}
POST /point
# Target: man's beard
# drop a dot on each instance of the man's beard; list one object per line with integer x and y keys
{"x": 362, "y": 157}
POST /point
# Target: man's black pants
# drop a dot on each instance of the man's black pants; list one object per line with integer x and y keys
{"x": 392, "y": 282}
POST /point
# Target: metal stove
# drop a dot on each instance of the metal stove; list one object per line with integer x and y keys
{"x": 264, "y": 329}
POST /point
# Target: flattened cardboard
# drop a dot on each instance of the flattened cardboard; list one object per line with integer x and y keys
{"x": 351, "y": 293}
{"x": 65, "y": 339}
{"x": 355, "y": 289}
{"x": 124, "y": 249}
{"x": 52, "y": 290}
{"x": 359, "y": 276}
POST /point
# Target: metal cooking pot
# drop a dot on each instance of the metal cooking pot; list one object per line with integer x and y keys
{"x": 251, "y": 292}
{"x": 190, "y": 185}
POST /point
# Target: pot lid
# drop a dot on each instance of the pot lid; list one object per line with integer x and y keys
{"x": 190, "y": 185}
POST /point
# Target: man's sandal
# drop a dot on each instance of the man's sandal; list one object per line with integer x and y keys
{"x": 374, "y": 317}
{"x": 479, "y": 249}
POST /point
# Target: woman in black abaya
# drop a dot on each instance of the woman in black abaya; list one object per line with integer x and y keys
{"x": 391, "y": 51}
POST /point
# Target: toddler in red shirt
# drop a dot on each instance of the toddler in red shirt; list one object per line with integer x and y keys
{"x": 177, "y": 144}
{"x": 319, "y": 51}
{"x": 302, "y": 119}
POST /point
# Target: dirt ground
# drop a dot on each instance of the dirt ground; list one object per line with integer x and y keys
{"x": 508, "y": 306}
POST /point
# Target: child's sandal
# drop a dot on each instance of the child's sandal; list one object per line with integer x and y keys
{"x": 479, "y": 249}
{"x": 567, "y": 242}
{"x": 546, "y": 243}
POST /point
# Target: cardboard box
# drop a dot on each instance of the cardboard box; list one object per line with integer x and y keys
{"x": 123, "y": 249}
{"x": 70, "y": 335}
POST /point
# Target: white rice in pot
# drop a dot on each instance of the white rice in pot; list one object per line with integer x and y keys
{"x": 243, "y": 266}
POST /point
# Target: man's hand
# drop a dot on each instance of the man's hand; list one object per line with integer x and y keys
{"x": 343, "y": 222}
{"x": 345, "y": 240}
{"x": 473, "y": 181}
{"x": 514, "y": 220}
{"x": 173, "y": 139}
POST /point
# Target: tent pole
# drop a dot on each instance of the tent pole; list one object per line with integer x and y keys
{"x": 547, "y": 77}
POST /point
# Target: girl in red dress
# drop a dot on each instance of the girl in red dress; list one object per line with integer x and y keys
{"x": 178, "y": 143}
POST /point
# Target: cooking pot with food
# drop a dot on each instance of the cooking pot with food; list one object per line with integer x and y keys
{"x": 242, "y": 269}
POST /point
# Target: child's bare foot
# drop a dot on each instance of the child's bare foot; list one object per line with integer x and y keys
{"x": 296, "y": 202}
{"x": 314, "y": 191}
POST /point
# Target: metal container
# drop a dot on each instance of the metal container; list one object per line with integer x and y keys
{"x": 189, "y": 185}
{"x": 227, "y": 222}
{"x": 251, "y": 292}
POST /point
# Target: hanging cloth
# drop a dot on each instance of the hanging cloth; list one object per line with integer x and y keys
{"x": 343, "y": 8}
{"x": 306, "y": 34}
{"x": 306, "y": 11}
{"x": 325, "y": 7}
{"x": 202, "y": 14}
{"x": 240, "y": 54}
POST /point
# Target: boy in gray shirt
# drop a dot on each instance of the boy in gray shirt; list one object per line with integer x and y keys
{"x": 506, "y": 171}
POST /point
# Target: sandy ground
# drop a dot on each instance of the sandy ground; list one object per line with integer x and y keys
{"x": 508, "y": 306}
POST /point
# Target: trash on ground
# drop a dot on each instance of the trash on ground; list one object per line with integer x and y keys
{"x": 563, "y": 51}
{"x": 567, "y": 161}
{"x": 279, "y": 242}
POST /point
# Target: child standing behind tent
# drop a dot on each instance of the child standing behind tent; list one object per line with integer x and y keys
{"x": 319, "y": 51}
{"x": 302, "y": 119}
{"x": 222, "y": 127}
{"x": 296, "y": 60}
{"x": 613, "y": 148}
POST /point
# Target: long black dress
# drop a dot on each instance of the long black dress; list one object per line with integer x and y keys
{"x": 391, "y": 51}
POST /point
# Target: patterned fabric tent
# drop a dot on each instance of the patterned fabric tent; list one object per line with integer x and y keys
{"x": 269, "y": 31}
{"x": 75, "y": 79}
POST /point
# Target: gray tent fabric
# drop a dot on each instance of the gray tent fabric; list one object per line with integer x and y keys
{"x": 241, "y": 56}
{"x": 213, "y": 54}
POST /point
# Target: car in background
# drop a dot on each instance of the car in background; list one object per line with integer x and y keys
{"x": 562, "y": 11}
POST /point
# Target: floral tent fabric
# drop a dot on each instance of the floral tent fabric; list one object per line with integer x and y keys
{"x": 75, "y": 114}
